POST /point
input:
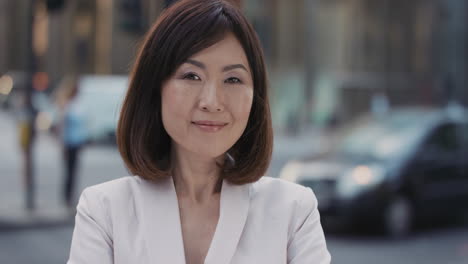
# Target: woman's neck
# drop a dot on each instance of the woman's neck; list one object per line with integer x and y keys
{"x": 195, "y": 178}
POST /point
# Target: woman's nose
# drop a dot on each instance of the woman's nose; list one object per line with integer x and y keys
{"x": 211, "y": 98}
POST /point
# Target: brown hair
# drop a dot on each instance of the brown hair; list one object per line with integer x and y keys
{"x": 184, "y": 29}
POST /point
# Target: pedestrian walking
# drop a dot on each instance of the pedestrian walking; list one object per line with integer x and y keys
{"x": 74, "y": 137}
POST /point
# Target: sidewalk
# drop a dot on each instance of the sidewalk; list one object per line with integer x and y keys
{"x": 12, "y": 207}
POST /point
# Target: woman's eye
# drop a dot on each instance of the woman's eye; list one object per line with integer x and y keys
{"x": 233, "y": 80}
{"x": 191, "y": 76}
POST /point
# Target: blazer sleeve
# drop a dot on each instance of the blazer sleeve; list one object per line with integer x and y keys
{"x": 307, "y": 243}
{"x": 92, "y": 239}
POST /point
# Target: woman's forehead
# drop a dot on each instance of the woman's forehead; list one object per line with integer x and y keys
{"x": 228, "y": 50}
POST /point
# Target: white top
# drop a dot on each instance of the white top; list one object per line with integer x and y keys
{"x": 131, "y": 220}
{"x": 75, "y": 131}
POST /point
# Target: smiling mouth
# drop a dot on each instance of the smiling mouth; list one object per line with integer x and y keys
{"x": 209, "y": 126}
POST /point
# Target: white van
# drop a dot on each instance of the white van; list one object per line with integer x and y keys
{"x": 102, "y": 97}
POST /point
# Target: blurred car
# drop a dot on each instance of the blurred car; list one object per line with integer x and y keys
{"x": 391, "y": 171}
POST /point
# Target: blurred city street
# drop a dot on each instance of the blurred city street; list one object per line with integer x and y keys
{"x": 368, "y": 102}
{"x": 50, "y": 243}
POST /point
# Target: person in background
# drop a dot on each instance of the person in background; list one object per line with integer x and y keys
{"x": 74, "y": 136}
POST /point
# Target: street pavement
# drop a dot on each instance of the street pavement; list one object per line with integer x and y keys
{"x": 30, "y": 242}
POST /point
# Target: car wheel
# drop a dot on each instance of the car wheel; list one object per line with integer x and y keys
{"x": 398, "y": 217}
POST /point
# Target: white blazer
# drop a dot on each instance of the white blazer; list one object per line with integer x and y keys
{"x": 131, "y": 220}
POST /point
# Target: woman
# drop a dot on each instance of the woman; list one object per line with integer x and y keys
{"x": 196, "y": 129}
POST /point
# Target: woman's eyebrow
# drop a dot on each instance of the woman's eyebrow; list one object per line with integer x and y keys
{"x": 225, "y": 68}
{"x": 234, "y": 66}
{"x": 196, "y": 63}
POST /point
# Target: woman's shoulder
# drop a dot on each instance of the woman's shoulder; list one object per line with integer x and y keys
{"x": 114, "y": 190}
{"x": 116, "y": 185}
{"x": 270, "y": 184}
{"x": 274, "y": 189}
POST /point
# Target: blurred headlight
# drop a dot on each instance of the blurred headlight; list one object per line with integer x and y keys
{"x": 291, "y": 171}
{"x": 359, "y": 179}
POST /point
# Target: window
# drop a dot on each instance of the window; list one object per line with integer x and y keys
{"x": 444, "y": 139}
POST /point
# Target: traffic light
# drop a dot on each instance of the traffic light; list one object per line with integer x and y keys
{"x": 55, "y": 5}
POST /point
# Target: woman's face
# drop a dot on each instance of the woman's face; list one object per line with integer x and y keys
{"x": 206, "y": 103}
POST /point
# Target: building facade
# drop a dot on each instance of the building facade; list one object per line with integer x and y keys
{"x": 326, "y": 58}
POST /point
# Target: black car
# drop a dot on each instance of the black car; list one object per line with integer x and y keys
{"x": 408, "y": 166}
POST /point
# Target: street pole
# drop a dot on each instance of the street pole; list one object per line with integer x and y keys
{"x": 310, "y": 9}
{"x": 28, "y": 132}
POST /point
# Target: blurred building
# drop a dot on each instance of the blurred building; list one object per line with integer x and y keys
{"x": 331, "y": 57}
{"x": 82, "y": 36}
{"x": 327, "y": 58}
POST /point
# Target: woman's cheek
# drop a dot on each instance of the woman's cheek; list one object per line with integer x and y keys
{"x": 244, "y": 101}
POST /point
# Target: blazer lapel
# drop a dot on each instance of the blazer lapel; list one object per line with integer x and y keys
{"x": 234, "y": 208}
{"x": 163, "y": 232}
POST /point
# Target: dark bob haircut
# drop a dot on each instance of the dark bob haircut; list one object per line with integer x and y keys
{"x": 182, "y": 30}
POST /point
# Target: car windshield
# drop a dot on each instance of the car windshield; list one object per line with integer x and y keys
{"x": 382, "y": 139}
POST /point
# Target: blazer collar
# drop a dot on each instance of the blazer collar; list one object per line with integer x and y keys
{"x": 161, "y": 222}
{"x": 164, "y": 232}
{"x": 234, "y": 208}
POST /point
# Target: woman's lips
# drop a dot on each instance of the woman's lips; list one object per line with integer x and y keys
{"x": 209, "y": 126}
